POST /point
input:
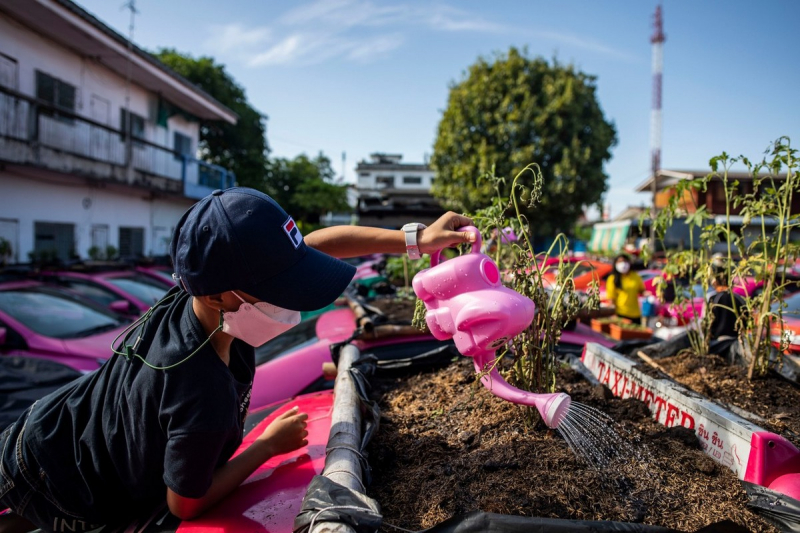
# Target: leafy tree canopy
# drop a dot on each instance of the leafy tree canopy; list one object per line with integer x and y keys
{"x": 515, "y": 111}
{"x": 305, "y": 187}
{"x": 242, "y": 147}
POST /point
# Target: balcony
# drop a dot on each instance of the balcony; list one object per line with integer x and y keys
{"x": 34, "y": 134}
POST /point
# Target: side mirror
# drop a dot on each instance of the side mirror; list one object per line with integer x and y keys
{"x": 3, "y": 334}
{"x": 120, "y": 306}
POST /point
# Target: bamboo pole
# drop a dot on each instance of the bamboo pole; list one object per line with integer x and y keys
{"x": 342, "y": 464}
{"x": 363, "y": 319}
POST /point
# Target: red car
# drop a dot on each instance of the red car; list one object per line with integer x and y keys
{"x": 791, "y": 324}
{"x": 37, "y": 320}
{"x": 585, "y": 272}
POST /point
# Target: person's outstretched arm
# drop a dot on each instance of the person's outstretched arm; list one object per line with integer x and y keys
{"x": 354, "y": 241}
{"x": 286, "y": 433}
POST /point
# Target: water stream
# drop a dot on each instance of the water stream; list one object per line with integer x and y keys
{"x": 594, "y": 437}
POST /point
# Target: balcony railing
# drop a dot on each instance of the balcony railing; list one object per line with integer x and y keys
{"x": 34, "y": 133}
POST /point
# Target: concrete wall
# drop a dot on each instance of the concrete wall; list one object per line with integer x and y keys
{"x": 28, "y": 196}
{"x": 100, "y": 93}
{"x": 367, "y": 179}
{"x": 26, "y": 201}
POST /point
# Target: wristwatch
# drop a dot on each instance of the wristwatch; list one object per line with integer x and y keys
{"x": 411, "y": 230}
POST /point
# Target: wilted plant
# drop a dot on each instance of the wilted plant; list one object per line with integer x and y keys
{"x": 757, "y": 250}
{"x": 557, "y": 301}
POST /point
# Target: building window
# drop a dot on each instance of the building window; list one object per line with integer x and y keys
{"x": 384, "y": 181}
{"x": 137, "y": 124}
{"x": 55, "y": 93}
{"x": 182, "y": 144}
{"x": 131, "y": 242}
{"x": 53, "y": 241}
{"x": 412, "y": 180}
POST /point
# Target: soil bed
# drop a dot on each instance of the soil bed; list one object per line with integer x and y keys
{"x": 771, "y": 397}
{"x": 448, "y": 447}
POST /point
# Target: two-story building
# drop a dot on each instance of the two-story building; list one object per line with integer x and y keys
{"x": 97, "y": 138}
{"x": 392, "y": 193}
{"x": 713, "y": 197}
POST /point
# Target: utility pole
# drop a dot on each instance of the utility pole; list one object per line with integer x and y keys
{"x": 657, "y": 40}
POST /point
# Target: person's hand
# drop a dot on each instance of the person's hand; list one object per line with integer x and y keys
{"x": 442, "y": 233}
{"x": 286, "y": 433}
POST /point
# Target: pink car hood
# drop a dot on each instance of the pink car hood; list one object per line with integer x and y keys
{"x": 96, "y": 347}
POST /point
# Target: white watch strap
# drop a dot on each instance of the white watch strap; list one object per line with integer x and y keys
{"x": 410, "y": 231}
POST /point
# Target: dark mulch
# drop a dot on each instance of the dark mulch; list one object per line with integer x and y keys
{"x": 770, "y": 397}
{"x": 447, "y": 447}
{"x": 396, "y": 310}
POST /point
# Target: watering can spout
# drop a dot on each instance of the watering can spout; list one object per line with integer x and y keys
{"x": 553, "y": 407}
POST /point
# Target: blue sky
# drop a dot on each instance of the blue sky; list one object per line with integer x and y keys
{"x": 361, "y": 76}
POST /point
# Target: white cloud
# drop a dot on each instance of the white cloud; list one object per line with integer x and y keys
{"x": 362, "y": 31}
{"x": 234, "y": 36}
{"x": 372, "y": 49}
{"x": 447, "y": 18}
{"x": 283, "y": 52}
{"x": 584, "y": 43}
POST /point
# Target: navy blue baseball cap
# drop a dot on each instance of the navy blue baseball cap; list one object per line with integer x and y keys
{"x": 241, "y": 239}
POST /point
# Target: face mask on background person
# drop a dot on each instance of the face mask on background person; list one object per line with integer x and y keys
{"x": 622, "y": 267}
{"x": 258, "y": 323}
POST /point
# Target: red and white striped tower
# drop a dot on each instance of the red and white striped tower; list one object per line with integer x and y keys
{"x": 657, "y": 40}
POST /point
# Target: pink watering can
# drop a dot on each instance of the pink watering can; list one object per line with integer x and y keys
{"x": 774, "y": 463}
{"x": 467, "y": 302}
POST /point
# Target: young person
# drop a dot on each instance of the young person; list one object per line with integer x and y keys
{"x": 623, "y": 288}
{"x": 161, "y": 419}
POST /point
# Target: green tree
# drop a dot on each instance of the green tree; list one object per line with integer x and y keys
{"x": 515, "y": 111}
{"x": 305, "y": 187}
{"x": 241, "y": 148}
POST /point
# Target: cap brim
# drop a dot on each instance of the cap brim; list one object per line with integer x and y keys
{"x": 310, "y": 284}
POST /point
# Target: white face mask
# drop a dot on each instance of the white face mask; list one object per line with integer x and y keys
{"x": 256, "y": 324}
{"x": 623, "y": 268}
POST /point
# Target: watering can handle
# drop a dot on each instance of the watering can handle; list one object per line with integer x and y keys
{"x": 476, "y": 246}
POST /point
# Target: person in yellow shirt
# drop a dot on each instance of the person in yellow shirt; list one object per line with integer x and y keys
{"x": 623, "y": 288}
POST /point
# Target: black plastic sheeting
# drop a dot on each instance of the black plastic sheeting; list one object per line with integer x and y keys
{"x": 330, "y": 502}
{"x": 23, "y": 380}
{"x": 480, "y": 522}
{"x": 326, "y": 501}
{"x": 777, "y": 508}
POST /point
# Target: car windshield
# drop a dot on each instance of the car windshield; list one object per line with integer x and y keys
{"x": 145, "y": 289}
{"x": 55, "y": 315}
{"x": 647, "y": 275}
{"x": 166, "y": 276}
{"x": 302, "y": 334}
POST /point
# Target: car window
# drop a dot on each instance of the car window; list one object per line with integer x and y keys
{"x": 792, "y": 306}
{"x": 647, "y": 275}
{"x": 145, "y": 289}
{"x": 166, "y": 276}
{"x": 302, "y": 334}
{"x": 54, "y": 315}
{"x": 92, "y": 291}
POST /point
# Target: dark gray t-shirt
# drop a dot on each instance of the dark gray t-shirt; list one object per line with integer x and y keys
{"x": 112, "y": 441}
